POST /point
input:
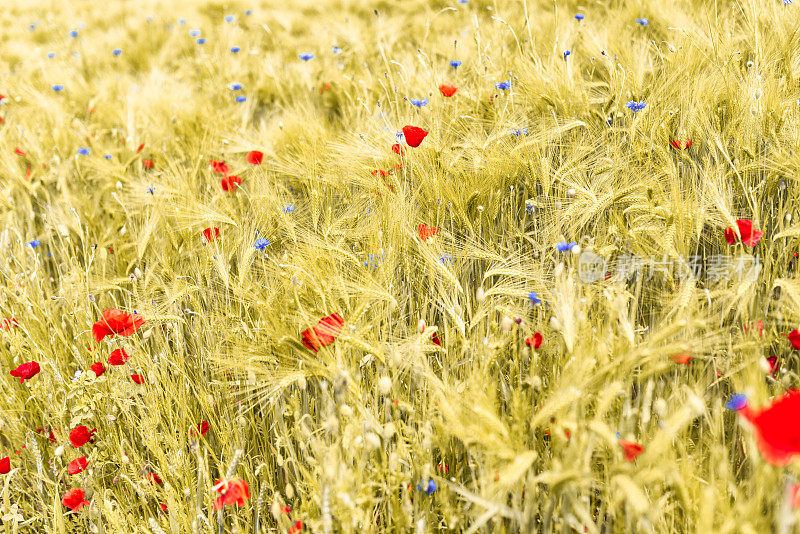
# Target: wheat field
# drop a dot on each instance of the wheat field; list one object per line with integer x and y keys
{"x": 531, "y": 321}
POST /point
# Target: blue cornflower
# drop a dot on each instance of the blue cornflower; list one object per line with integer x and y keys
{"x": 455, "y": 63}
{"x": 33, "y": 244}
{"x": 534, "y": 296}
{"x": 248, "y": 12}
{"x": 579, "y": 16}
{"x": 306, "y": 56}
{"x": 73, "y": 33}
{"x": 610, "y": 121}
{"x": 194, "y": 33}
{"x": 447, "y": 259}
{"x": 51, "y": 55}
{"x": 181, "y": 21}
{"x": 57, "y": 87}
{"x": 419, "y": 102}
{"x": 519, "y": 131}
{"x": 236, "y": 86}
{"x": 786, "y": 2}
{"x": 529, "y": 208}
{"x": 229, "y": 18}
{"x": 566, "y": 53}
{"x": 635, "y": 106}
{"x": 241, "y": 98}
{"x": 563, "y": 246}
{"x": 288, "y": 208}
{"x": 107, "y": 156}
{"x": 505, "y": 86}
{"x": 201, "y": 40}
{"x": 235, "y": 49}
{"x": 116, "y": 51}
{"x": 336, "y": 50}
{"x": 430, "y": 487}
{"x": 736, "y": 402}
{"x": 261, "y": 243}
{"x": 463, "y": 1}
{"x": 399, "y": 136}
{"x": 151, "y": 189}
{"x": 643, "y": 22}
{"x": 83, "y": 151}
{"x": 32, "y": 27}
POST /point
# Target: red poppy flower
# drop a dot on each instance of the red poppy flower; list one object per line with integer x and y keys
{"x": 794, "y": 339}
{"x": 219, "y": 167}
{"x": 630, "y": 450}
{"x": 297, "y": 527}
{"x": 254, "y": 157}
{"x": 114, "y": 321}
{"x": 26, "y": 371}
{"x": 140, "y": 148}
{"x": 18, "y": 152}
{"x": 81, "y": 435}
{"x": 74, "y": 499}
{"x": 759, "y": 325}
{"x": 730, "y": 236}
{"x": 682, "y": 358}
{"x": 98, "y": 368}
{"x": 118, "y": 357}
{"x": 139, "y": 379}
{"x": 52, "y": 436}
{"x": 448, "y": 90}
{"x": 162, "y": 506}
{"x": 210, "y": 234}
{"x": 435, "y": 339}
{"x": 78, "y": 465}
{"x": 772, "y": 362}
{"x": 324, "y": 87}
{"x": 147, "y": 163}
{"x": 774, "y": 425}
{"x": 324, "y": 333}
{"x": 749, "y": 236}
{"x": 398, "y": 149}
{"x": 5, "y": 465}
{"x": 681, "y": 145}
{"x": 535, "y": 341}
{"x": 154, "y": 478}
{"x": 230, "y": 183}
{"x": 426, "y": 232}
{"x": 202, "y": 428}
{"x": 8, "y": 323}
{"x": 414, "y": 135}
{"x": 231, "y": 492}
{"x": 796, "y": 496}
{"x": 376, "y": 172}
